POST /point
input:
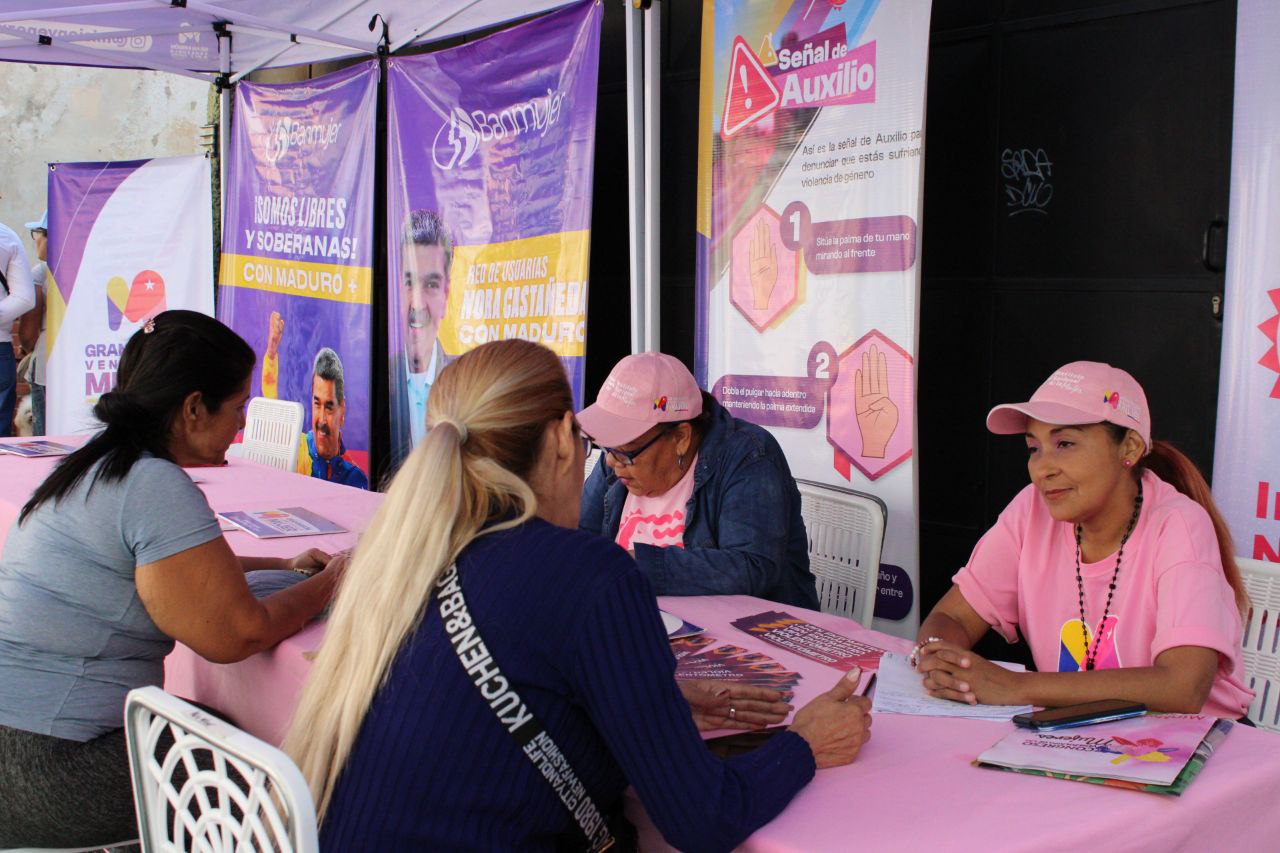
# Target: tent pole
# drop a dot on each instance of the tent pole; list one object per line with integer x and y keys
{"x": 652, "y": 175}
{"x": 224, "y": 115}
{"x": 636, "y": 170}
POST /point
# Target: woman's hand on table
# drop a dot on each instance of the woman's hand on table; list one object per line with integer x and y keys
{"x": 955, "y": 673}
{"x": 338, "y": 563}
{"x": 309, "y": 561}
{"x": 724, "y": 705}
{"x": 837, "y": 723}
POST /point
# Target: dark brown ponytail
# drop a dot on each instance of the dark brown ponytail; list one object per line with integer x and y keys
{"x": 1172, "y": 465}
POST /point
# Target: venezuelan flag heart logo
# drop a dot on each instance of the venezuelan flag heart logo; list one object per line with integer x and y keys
{"x": 135, "y": 302}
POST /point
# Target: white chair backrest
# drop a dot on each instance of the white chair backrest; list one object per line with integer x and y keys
{"x": 238, "y": 793}
{"x": 592, "y": 458}
{"x": 123, "y": 845}
{"x": 1262, "y": 641}
{"x": 846, "y": 534}
{"x": 272, "y": 429}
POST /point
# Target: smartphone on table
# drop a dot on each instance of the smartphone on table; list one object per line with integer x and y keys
{"x": 1084, "y": 714}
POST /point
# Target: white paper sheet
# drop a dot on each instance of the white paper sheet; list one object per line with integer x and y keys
{"x": 900, "y": 690}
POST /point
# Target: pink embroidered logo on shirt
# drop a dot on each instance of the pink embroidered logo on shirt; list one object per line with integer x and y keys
{"x": 662, "y": 530}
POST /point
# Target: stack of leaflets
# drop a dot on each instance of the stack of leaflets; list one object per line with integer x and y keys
{"x": 277, "y": 523}
{"x": 811, "y": 641}
{"x": 700, "y": 657}
{"x": 36, "y": 448}
{"x": 1160, "y": 753}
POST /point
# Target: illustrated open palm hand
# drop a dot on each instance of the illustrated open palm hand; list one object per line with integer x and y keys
{"x": 274, "y": 332}
{"x": 764, "y": 267}
{"x": 877, "y": 414}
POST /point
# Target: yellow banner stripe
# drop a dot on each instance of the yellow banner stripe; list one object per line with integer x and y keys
{"x": 334, "y": 282}
{"x": 534, "y": 288}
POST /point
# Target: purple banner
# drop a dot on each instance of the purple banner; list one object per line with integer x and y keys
{"x": 490, "y": 154}
{"x": 127, "y": 241}
{"x": 296, "y": 279}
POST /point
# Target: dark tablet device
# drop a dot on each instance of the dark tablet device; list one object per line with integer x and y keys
{"x": 1085, "y": 714}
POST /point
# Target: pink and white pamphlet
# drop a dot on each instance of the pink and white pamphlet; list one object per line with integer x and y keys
{"x": 277, "y": 523}
{"x": 1150, "y": 750}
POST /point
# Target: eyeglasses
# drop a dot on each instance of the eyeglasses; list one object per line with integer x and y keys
{"x": 628, "y": 457}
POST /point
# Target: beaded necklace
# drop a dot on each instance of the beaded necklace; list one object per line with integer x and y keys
{"x": 1091, "y": 649}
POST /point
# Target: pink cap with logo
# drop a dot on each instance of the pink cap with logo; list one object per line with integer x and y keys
{"x": 1082, "y": 392}
{"x": 642, "y": 390}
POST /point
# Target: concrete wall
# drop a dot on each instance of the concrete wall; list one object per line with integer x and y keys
{"x": 54, "y": 113}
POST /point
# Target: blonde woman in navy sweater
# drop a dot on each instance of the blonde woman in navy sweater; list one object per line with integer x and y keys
{"x": 401, "y": 749}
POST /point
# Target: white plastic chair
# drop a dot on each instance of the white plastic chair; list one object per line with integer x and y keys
{"x": 240, "y": 794}
{"x": 68, "y": 849}
{"x": 272, "y": 429}
{"x": 1262, "y": 641}
{"x": 846, "y": 535}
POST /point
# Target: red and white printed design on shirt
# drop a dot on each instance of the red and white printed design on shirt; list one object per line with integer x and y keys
{"x": 657, "y": 520}
{"x": 662, "y": 530}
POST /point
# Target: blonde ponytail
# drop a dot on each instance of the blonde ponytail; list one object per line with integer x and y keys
{"x": 486, "y": 414}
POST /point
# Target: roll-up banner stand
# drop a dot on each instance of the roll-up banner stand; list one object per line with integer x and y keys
{"x": 810, "y": 173}
{"x": 1246, "y": 462}
{"x": 127, "y": 240}
{"x": 296, "y": 278}
{"x": 490, "y": 155}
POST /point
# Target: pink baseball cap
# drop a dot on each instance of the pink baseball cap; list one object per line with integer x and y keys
{"x": 642, "y": 390}
{"x": 1082, "y": 392}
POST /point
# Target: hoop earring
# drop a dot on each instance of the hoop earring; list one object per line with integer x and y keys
{"x": 680, "y": 461}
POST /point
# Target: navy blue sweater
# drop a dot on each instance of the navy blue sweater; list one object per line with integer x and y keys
{"x": 574, "y": 626}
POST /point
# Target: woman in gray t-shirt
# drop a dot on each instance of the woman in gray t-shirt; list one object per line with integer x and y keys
{"x": 117, "y": 555}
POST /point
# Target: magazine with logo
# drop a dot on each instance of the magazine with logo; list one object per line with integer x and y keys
{"x": 1159, "y": 752}
{"x": 31, "y": 449}
{"x": 278, "y": 523}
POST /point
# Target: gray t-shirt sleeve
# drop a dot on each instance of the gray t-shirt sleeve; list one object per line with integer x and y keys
{"x": 163, "y": 512}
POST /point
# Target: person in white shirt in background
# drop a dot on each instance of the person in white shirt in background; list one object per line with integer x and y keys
{"x": 17, "y": 297}
{"x": 31, "y": 326}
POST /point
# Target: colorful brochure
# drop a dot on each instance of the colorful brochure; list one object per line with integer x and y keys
{"x": 278, "y": 523}
{"x": 1160, "y": 753}
{"x": 31, "y": 449}
{"x": 809, "y": 640}
{"x": 701, "y": 658}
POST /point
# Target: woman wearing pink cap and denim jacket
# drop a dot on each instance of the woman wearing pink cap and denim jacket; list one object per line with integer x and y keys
{"x": 1114, "y": 564}
{"x": 704, "y": 501}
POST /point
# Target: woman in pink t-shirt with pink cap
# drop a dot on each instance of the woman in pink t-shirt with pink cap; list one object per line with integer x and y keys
{"x": 1114, "y": 564}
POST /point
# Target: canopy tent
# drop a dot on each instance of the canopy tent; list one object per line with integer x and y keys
{"x": 205, "y": 38}
{"x": 223, "y": 41}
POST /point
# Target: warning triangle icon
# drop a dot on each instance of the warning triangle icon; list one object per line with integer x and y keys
{"x": 750, "y": 94}
{"x": 766, "y": 53}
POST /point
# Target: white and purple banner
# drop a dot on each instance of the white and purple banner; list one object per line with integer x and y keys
{"x": 296, "y": 277}
{"x": 127, "y": 240}
{"x": 810, "y": 174}
{"x": 1246, "y": 463}
{"x": 490, "y": 154}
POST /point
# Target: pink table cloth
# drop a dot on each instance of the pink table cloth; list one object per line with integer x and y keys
{"x": 913, "y": 786}
{"x": 240, "y": 484}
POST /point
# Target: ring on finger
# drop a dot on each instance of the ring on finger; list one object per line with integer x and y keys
{"x": 733, "y": 713}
